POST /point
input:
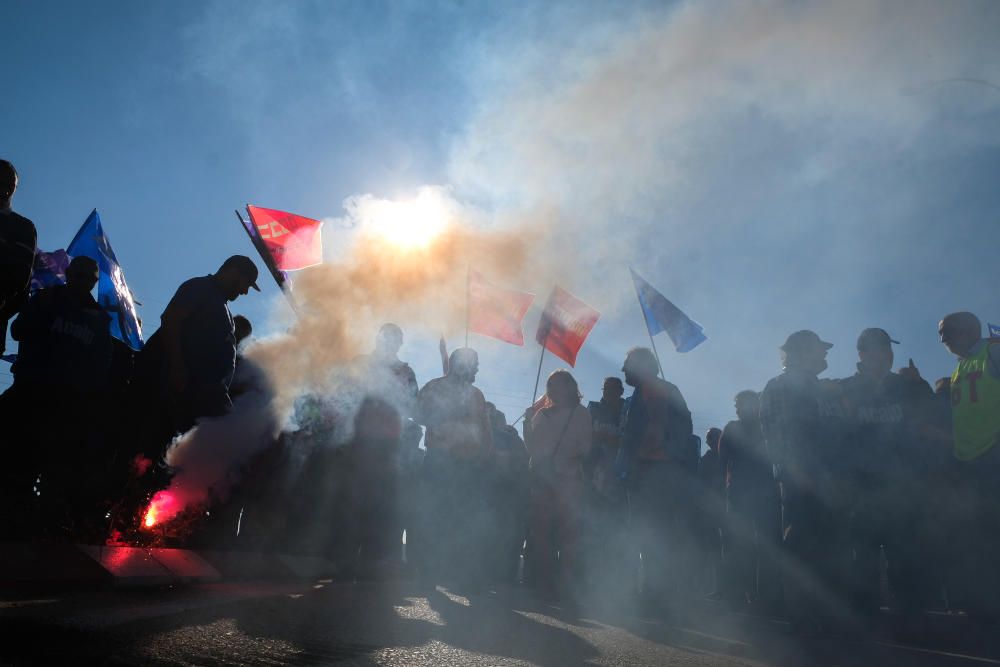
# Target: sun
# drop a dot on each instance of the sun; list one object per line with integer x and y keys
{"x": 411, "y": 224}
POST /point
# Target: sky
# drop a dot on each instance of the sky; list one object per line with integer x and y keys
{"x": 769, "y": 166}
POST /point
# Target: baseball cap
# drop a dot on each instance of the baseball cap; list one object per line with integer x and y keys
{"x": 804, "y": 340}
{"x": 874, "y": 336}
{"x": 245, "y": 265}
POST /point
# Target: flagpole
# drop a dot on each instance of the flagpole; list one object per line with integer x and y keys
{"x": 538, "y": 378}
{"x": 268, "y": 262}
{"x": 468, "y": 276}
{"x": 655, "y": 353}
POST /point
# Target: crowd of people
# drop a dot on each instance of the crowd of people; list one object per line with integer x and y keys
{"x": 824, "y": 499}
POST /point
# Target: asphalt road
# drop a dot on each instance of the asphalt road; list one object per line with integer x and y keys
{"x": 399, "y": 624}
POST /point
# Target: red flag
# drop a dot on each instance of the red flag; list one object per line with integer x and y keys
{"x": 293, "y": 241}
{"x": 565, "y": 324}
{"x": 495, "y": 311}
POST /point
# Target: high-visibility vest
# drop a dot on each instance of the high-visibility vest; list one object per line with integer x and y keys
{"x": 975, "y": 406}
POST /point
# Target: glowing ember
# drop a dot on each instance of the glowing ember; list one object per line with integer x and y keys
{"x": 162, "y": 508}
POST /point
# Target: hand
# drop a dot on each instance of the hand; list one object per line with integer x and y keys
{"x": 910, "y": 372}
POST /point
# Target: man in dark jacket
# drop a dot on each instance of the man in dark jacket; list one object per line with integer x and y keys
{"x": 186, "y": 367}
{"x": 64, "y": 353}
{"x": 803, "y": 420}
{"x": 17, "y": 252}
{"x": 659, "y": 465}
{"x": 887, "y": 410}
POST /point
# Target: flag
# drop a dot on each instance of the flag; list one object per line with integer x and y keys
{"x": 280, "y": 277}
{"x": 495, "y": 311}
{"x": 994, "y": 330}
{"x": 565, "y": 324}
{"x": 112, "y": 292}
{"x": 661, "y": 315}
{"x": 49, "y": 270}
{"x": 293, "y": 241}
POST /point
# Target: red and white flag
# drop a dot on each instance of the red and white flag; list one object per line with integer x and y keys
{"x": 565, "y": 325}
{"x": 294, "y": 242}
{"x": 495, "y": 311}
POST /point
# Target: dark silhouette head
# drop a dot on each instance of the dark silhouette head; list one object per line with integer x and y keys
{"x": 875, "y": 352}
{"x": 747, "y": 405}
{"x": 236, "y": 276}
{"x": 805, "y": 351}
{"x": 82, "y": 274}
{"x": 8, "y": 182}
{"x": 463, "y": 364}
{"x": 959, "y": 332}
{"x": 640, "y": 366}
{"x": 388, "y": 341}
{"x": 612, "y": 390}
{"x": 242, "y": 328}
{"x": 561, "y": 389}
{"x": 712, "y": 438}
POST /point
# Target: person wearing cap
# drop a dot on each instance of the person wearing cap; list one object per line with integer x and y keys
{"x": 453, "y": 532}
{"x": 803, "y": 423}
{"x": 17, "y": 252}
{"x": 975, "y": 412}
{"x": 64, "y": 354}
{"x": 885, "y": 455}
{"x": 188, "y": 363}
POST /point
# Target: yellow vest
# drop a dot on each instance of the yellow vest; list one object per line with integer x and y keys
{"x": 975, "y": 406}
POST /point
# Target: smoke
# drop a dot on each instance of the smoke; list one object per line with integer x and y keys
{"x": 769, "y": 165}
{"x": 408, "y": 261}
{"x": 341, "y": 303}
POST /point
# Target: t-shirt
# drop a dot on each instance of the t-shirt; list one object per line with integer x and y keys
{"x": 208, "y": 338}
{"x": 454, "y": 413}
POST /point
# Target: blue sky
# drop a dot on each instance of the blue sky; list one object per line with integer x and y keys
{"x": 768, "y": 166}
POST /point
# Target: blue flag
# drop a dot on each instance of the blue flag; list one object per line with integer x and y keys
{"x": 112, "y": 292}
{"x": 994, "y": 330}
{"x": 661, "y": 315}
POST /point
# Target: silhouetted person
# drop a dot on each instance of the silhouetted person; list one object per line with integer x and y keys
{"x": 658, "y": 462}
{"x": 459, "y": 441}
{"x": 383, "y": 377}
{"x": 885, "y": 452}
{"x": 975, "y": 401}
{"x": 17, "y": 252}
{"x": 606, "y": 415}
{"x": 367, "y": 543}
{"x": 510, "y": 496}
{"x": 710, "y": 507}
{"x": 606, "y": 521}
{"x": 559, "y": 444}
{"x": 753, "y": 509}
{"x": 64, "y": 353}
{"x": 188, "y": 364}
{"x": 803, "y": 421}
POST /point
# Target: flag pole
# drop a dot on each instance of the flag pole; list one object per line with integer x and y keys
{"x": 655, "y": 353}
{"x": 538, "y": 378}
{"x": 265, "y": 256}
{"x": 468, "y": 276}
